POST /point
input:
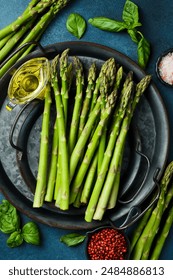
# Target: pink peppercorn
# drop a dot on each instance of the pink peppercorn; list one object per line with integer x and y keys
{"x": 107, "y": 244}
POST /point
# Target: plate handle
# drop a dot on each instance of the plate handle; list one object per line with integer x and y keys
{"x": 34, "y": 103}
{"x": 125, "y": 201}
{"x": 135, "y": 212}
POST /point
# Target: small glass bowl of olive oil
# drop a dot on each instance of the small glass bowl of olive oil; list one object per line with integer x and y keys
{"x": 29, "y": 81}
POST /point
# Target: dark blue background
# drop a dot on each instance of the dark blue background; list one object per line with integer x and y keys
{"x": 157, "y": 19}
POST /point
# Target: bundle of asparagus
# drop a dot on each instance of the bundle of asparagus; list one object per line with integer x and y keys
{"x": 89, "y": 139}
{"x": 26, "y": 28}
{"x": 153, "y": 228}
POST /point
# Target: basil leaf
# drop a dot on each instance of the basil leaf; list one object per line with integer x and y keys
{"x": 30, "y": 233}
{"x": 72, "y": 239}
{"x": 143, "y": 51}
{"x": 107, "y": 24}
{"x": 130, "y": 14}
{"x": 9, "y": 218}
{"x": 15, "y": 239}
{"x": 76, "y": 25}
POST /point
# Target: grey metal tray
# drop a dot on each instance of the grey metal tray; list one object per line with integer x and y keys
{"x": 150, "y": 130}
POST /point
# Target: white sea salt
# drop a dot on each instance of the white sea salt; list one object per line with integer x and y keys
{"x": 166, "y": 68}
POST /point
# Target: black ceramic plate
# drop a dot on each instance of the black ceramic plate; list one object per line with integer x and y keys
{"x": 150, "y": 130}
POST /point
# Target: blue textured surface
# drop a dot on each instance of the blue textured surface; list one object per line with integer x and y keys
{"x": 157, "y": 19}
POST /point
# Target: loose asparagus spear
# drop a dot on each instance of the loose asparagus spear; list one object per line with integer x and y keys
{"x": 43, "y": 156}
{"x": 35, "y": 33}
{"x": 64, "y": 202}
{"x": 161, "y": 207}
{"x": 74, "y": 126}
{"x": 140, "y": 227}
{"x": 162, "y": 236}
{"x": 10, "y": 44}
{"x": 108, "y": 153}
{"x": 154, "y": 219}
{"x": 37, "y": 29}
{"x": 28, "y": 9}
{"x": 5, "y": 40}
{"x": 26, "y": 16}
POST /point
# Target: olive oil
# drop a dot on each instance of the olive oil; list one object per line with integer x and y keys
{"x": 28, "y": 82}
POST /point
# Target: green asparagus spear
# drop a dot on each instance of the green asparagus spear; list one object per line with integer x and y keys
{"x": 119, "y": 78}
{"x": 163, "y": 203}
{"x": 89, "y": 181}
{"x": 141, "y": 225}
{"x": 104, "y": 84}
{"x": 74, "y": 126}
{"x": 118, "y": 82}
{"x": 87, "y": 100}
{"x": 114, "y": 193}
{"x": 25, "y": 17}
{"x": 66, "y": 78}
{"x": 58, "y": 181}
{"x": 5, "y": 40}
{"x": 64, "y": 202}
{"x": 43, "y": 156}
{"x": 53, "y": 165}
{"x": 104, "y": 69}
{"x": 162, "y": 236}
{"x": 53, "y": 183}
{"x": 14, "y": 40}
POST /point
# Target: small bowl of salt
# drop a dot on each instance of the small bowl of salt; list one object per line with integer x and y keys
{"x": 164, "y": 68}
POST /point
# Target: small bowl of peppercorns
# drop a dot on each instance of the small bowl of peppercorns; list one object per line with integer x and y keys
{"x": 107, "y": 243}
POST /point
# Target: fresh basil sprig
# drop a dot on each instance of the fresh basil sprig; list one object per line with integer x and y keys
{"x": 10, "y": 224}
{"x": 130, "y": 22}
{"x": 30, "y": 233}
{"x": 131, "y": 14}
{"x": 9, "y": 218}
{"x": 15, "y": 239}
{"x": 72, "y": 239}
{"x": 76, "y": 25}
